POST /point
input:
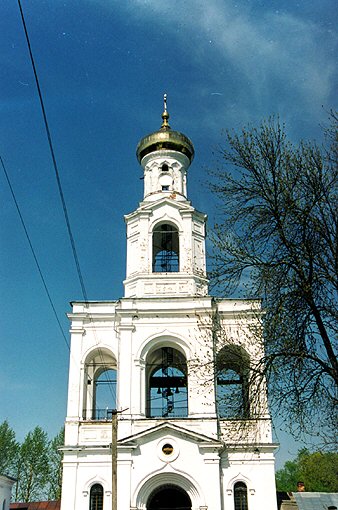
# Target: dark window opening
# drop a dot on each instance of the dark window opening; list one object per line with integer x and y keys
{"x": 167, "y": 384}
{"x": 165, "y": 188}
{"x": 165, "y": 249}
{"x": 96, "y": 497}
{"x": 165, "y": 167}
{"x": 169, "y": 497}
{"x": 167, "y": 449}
{"x": 240, "y": 496}
{"x": 232, "y": 383}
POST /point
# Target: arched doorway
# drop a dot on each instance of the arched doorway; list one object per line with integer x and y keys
{"x": 169, "y": 497}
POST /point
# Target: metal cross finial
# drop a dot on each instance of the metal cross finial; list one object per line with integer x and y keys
{"x": 165, "y": 114}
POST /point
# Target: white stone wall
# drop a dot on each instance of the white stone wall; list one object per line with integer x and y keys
{"x": 256, "y": 470}
{"x": 174, "y": 177}
{"x": 6, "y": 484}
{"x": 129, "y": 330}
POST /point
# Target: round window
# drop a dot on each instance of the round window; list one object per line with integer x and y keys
{"x": 167, "y": 449}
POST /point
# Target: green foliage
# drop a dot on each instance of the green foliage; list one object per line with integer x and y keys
{"x": 55, "y": 462}
{"x": 318, "y": 471}
{"x": 34, "y": 470}
{"x": 36, "y": 463}
{"x": 8, "y": 449}
{"x": 277, "y": 240}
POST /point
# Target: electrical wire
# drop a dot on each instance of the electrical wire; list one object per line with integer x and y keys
{"x": 56, "y": 170}
{"x": 33, "y": 253}
{"x": 58, "y": 179}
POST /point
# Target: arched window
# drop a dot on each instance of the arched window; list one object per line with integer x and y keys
{"x": 240, "y": 496}
{"x": 167, "y": 393}
{"x": 96, "y": 497}
{"x": 232, "y": 382}
{"x": 100, "y": 386}
{"x": 105, "y": 392}
{"x": 165, "y": 249}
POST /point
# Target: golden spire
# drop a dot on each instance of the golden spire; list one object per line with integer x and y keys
{"x": 165, "y": 114}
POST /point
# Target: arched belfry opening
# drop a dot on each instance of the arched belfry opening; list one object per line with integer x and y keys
{"x": 100, "y": 385}
{"x": 165, "y": 249}
{"x": 105, "y": 392}
{"x": 169, "y": 497}
{"x": 167, "y": 393}
{"x": 232, "y": 365}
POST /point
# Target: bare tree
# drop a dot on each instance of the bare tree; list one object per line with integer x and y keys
{"x": 277, "y": 240}
{"x": 228, "y": 365}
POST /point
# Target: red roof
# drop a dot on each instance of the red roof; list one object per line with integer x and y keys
{"x": 37, "y": 505}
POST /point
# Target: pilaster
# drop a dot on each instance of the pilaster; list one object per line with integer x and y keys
{"x": 125, "y": 331}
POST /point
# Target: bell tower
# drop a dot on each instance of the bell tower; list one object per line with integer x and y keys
{"x": 161, "y": 407}
{"x": 165, "y": 235}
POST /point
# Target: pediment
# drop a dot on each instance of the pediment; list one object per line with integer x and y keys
{"x": 178, "y": 205}
{"x": 174, "y": 430}
{"x": 186, "y": 205}
{"x": 150, "y": 207}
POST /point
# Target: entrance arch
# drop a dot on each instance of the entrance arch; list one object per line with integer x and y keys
{"x": 153, "y": 487}
{"x": 169, "y": 497}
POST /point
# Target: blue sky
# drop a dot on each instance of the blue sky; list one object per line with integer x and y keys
{"x": 103, "y": 67}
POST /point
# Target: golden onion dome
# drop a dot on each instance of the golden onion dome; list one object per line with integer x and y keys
{"x": 165, "y": 139}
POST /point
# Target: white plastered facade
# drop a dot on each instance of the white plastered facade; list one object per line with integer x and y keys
{"x": 6, "y": 485}
{"x": 163, "y": 311}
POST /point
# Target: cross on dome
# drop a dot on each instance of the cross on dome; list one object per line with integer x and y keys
{"x": 165, "y": 139}
{"x": 165, "y": 114}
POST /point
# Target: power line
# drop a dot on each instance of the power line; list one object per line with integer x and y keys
{"x": 33, "y": 252}
{"x": 57, "y": 175}
{"x": 56, "y": 170}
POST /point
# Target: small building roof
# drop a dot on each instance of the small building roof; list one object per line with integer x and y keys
{"x": 315, "y": 500}
{"x": 37, "y": 505}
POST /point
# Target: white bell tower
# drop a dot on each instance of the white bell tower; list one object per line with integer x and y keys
{"x": 166, "y": 235}
{"x": 160, "y": 380}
